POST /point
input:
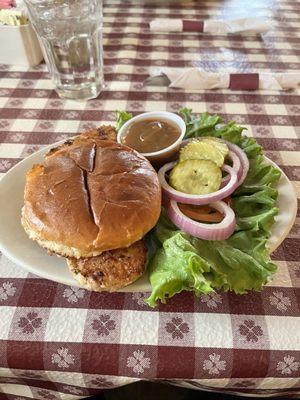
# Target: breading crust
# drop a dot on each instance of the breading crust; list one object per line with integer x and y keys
{"x": 112, "y": 269}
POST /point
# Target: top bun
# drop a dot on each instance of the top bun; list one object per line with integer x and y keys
{"x": 89, "y": 196}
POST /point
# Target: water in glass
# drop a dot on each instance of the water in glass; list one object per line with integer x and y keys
{"x": 70, "y": 32}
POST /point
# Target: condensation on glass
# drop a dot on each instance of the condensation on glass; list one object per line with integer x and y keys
{"x": 70, "y": 32}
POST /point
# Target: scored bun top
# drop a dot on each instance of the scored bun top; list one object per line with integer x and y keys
{"x": 90, "y": 196}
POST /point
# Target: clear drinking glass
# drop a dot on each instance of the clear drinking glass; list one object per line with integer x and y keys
{"x": 70, "y": 32}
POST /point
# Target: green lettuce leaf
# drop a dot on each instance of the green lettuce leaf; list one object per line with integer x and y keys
{"x": 240, "y": 263}
{"x": 121, "y": 118}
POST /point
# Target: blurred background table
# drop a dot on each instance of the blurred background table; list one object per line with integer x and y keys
{"x": 58, "y": 342}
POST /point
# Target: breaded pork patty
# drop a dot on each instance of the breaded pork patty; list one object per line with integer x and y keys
{"x": 112, "y": 269}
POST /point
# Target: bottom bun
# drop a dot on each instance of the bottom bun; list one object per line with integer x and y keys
{"x": 112, "y": 269}
{"x": 54, "y": 247}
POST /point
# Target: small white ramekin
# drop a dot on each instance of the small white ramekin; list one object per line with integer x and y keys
{"x": 163, "y": 154}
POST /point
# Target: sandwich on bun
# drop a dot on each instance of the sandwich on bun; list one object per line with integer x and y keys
{"x": 92, "y": 201}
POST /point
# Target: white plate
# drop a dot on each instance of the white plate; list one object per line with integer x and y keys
{"x": 15, "y": 244}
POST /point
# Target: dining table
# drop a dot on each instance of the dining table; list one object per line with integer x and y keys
{"x": 63, "y": 342}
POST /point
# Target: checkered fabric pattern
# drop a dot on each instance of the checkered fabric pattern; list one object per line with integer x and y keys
{"x": 59, "y": 342}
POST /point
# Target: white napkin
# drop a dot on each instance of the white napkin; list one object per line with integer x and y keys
{"x": 279, "y": 81}
{"x": 196, "y": 78}
{"x": 241, "y": 25}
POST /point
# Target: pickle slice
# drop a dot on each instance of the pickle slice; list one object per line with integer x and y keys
{"x": 221, "y": 146}
{"x": 201, "y": 150}
{"x": 196, "y": 177}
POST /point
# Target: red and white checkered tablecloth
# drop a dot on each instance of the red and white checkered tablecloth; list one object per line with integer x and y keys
{"x": 59, "y": 342}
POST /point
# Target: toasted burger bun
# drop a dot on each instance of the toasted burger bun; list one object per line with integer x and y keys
{"x": 90, "y": 196}
{"x": 112, "y": 269}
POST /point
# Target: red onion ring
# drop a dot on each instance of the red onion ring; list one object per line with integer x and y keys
{"x": 220, "y": 231}
{"x": 186, "y": 141}
{"x": 195, "y": 199}
{"x": 236, "y": 165}
{"x": 243, "y": 158}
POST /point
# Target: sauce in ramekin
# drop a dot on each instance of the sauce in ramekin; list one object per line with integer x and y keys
{"x": 151, "y": 135}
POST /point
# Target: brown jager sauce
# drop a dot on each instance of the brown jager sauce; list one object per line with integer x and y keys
{"x": 150, "y": 135}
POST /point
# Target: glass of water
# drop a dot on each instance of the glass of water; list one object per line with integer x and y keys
{"x": 70, "y": 32}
